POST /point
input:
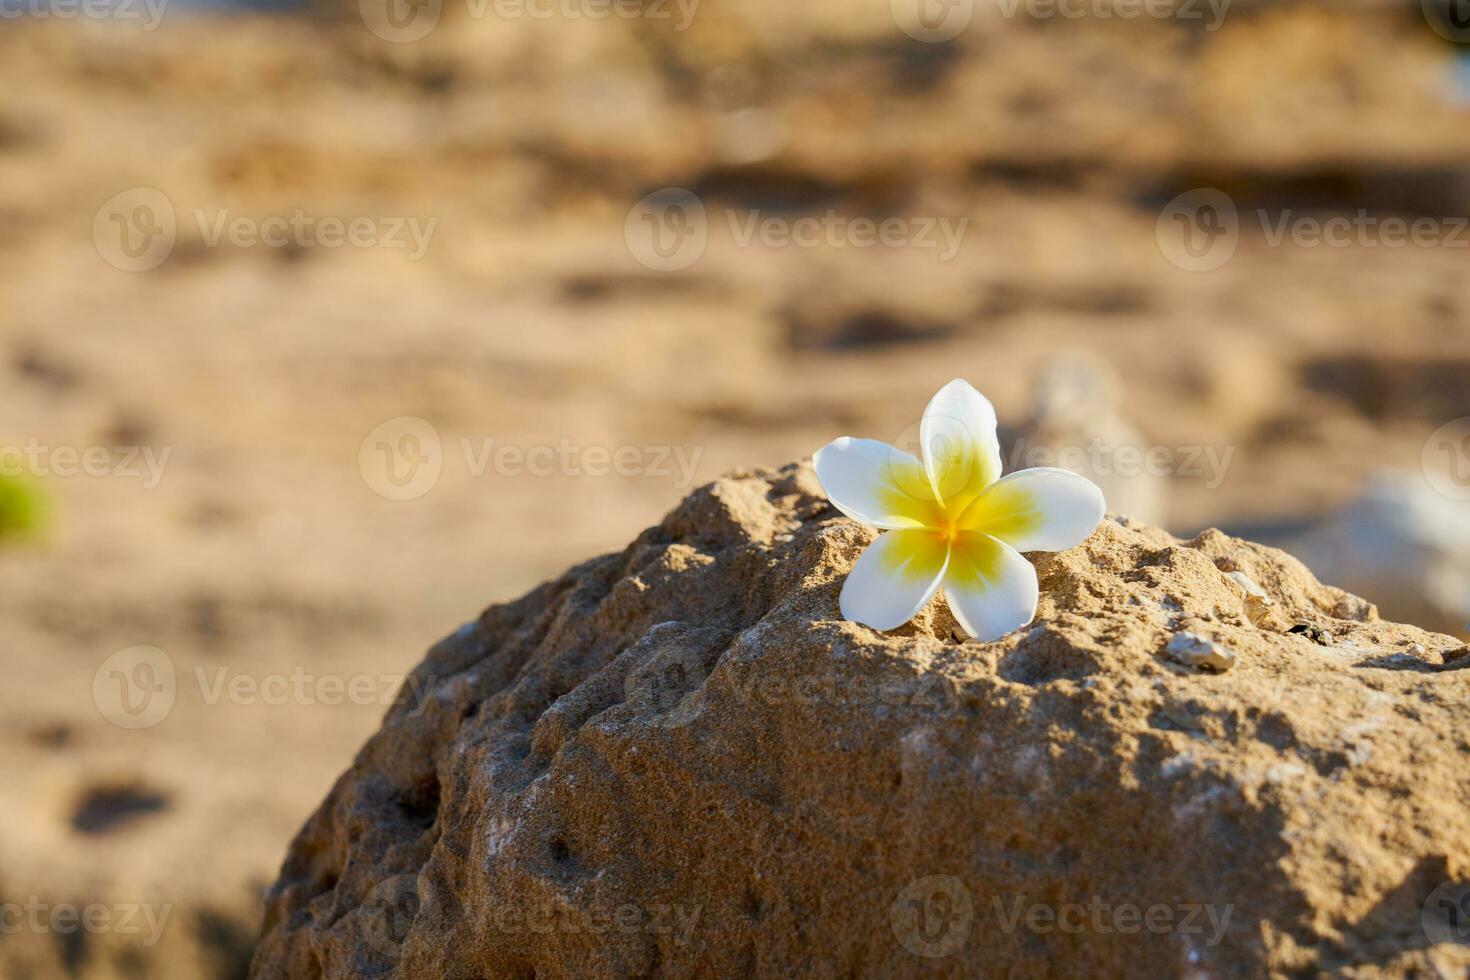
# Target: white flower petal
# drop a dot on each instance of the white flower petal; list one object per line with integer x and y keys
{"x": 875, "y": 483}
{"x": 893, "y": 579}
{"x": 1040, "y": 509}
{"x": 991, "y": 589}
{"x": 957, "y": 436}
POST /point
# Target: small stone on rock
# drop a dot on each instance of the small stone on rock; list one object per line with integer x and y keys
{"x": 1313, "y": 632}
{"x": 1257, "y": 603}
{"x": 1193, "y": 650}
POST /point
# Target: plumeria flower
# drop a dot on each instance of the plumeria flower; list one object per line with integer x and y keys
{"x": 951, "y": 520}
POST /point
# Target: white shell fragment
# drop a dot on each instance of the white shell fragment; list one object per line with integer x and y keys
{"x": 1257, "y": 602}
{"x": 1193, "y": 650}
{"x": 1246, "y": 582}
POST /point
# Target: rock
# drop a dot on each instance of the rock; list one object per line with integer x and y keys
{"x": 1193, "y": 650}
{"x": 1401, "y": 544}
{"x": 679, "y": 761}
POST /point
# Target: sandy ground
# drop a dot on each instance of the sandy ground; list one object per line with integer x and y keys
{"x": 578, "y": 385}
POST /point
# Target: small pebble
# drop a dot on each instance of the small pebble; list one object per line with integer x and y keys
{"x": 1245, "y": 582}
{"x": 1257, "y": 602}
{"x": 1193, "y": 650}
{"x": 1314, "y": 633}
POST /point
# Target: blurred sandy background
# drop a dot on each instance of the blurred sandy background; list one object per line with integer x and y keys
{"x": 262, "y": 557}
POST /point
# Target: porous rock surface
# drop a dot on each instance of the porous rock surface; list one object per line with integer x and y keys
{"x": 680, "y": 761}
